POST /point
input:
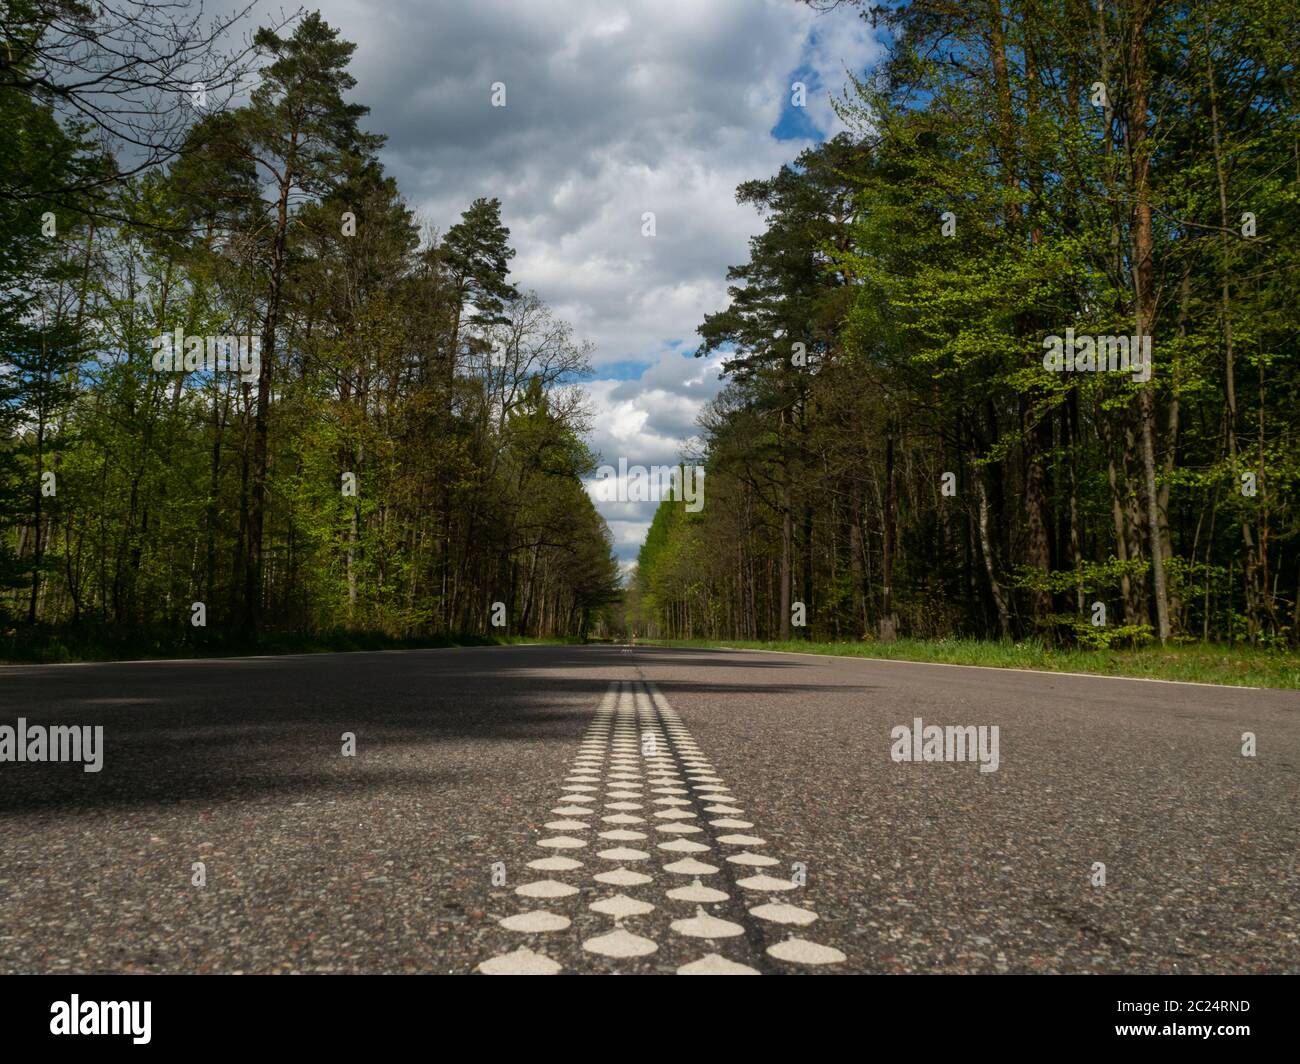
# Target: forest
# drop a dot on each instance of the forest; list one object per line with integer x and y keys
{"x": 897, "y": 452}
{"x": 373, "y": 429}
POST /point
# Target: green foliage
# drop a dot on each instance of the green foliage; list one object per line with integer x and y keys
{"x": 981, "y": 205}
{"x": 1193, "y": 662}
{"x": 413, "y": 366}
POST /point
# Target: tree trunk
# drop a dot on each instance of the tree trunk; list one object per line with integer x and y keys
{"x": 888, "y": 622}
{"x": 986, "y": 548}
{"x": 261, "y": 420}
{"x": 1144, "y": 302}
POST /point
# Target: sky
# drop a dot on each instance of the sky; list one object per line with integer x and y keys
{"x": 613, "y": 108}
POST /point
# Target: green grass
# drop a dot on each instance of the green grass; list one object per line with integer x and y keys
{"x": 46, "y": 645}
{"x": 1241, "y": 666}
{"x": 1198, "y": 662}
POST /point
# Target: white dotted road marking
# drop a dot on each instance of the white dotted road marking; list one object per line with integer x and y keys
{"x": 522, "y": 961}
{"x": 702, "y": 925}
{"x": 536, "y": 921}
{"x": 620, "y": 943}
{"x": 638, "y": 774}
{"x": 754, "y": 860}
{"x": 546, "y": 888}
{"x": 623, "y": 877}
{"x": 621, "y": 906}
{"x": 623, "y": 853}
{"x": 555, "y": 864}
{"x": 780, "y": 913}
{"x": 765, "y": 882}
{"x": 713, "y": 964}
{"x": 562, "y": 842}
{"x": 689, "y": 866}
{"x": 801, "y": 951}
{"x": 698, "y": 892}
{"x": 710, "y": 787}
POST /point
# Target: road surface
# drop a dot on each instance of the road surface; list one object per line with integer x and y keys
{"x": 610, "y": 809}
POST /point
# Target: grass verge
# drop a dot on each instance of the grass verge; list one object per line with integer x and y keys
{"x": 42, "y": 645}
{"x": 1238, "y": 666}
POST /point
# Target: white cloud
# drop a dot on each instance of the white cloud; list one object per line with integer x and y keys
{"x": 614, "y": 107}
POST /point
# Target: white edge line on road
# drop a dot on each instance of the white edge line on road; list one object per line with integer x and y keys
{"x": 734, "y": 650}
{"x": 988, "y": 668}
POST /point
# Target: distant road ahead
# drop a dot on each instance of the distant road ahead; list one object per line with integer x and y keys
{"x": 721, "y": 810}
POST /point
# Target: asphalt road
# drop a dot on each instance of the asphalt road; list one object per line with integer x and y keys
{"x": 630, "y": 780}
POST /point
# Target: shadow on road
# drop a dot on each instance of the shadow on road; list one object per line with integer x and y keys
{"x": 216, "y": 729}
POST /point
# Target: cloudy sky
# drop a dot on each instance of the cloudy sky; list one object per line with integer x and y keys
{"x": 613, "y": 108}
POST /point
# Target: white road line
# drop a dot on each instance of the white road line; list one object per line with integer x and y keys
{"x": 989, "y": 668}
{"x": 795, "y": 951}
{"x": 658, "y": 788}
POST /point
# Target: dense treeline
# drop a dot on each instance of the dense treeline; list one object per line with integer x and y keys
{"x": 401, "y": 444}
{"x": 891, "y": 451}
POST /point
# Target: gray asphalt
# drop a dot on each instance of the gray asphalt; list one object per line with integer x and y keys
{"x": 383, "y": 862}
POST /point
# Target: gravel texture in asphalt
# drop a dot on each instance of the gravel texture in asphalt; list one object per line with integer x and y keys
{"x": 721, "y": 810}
